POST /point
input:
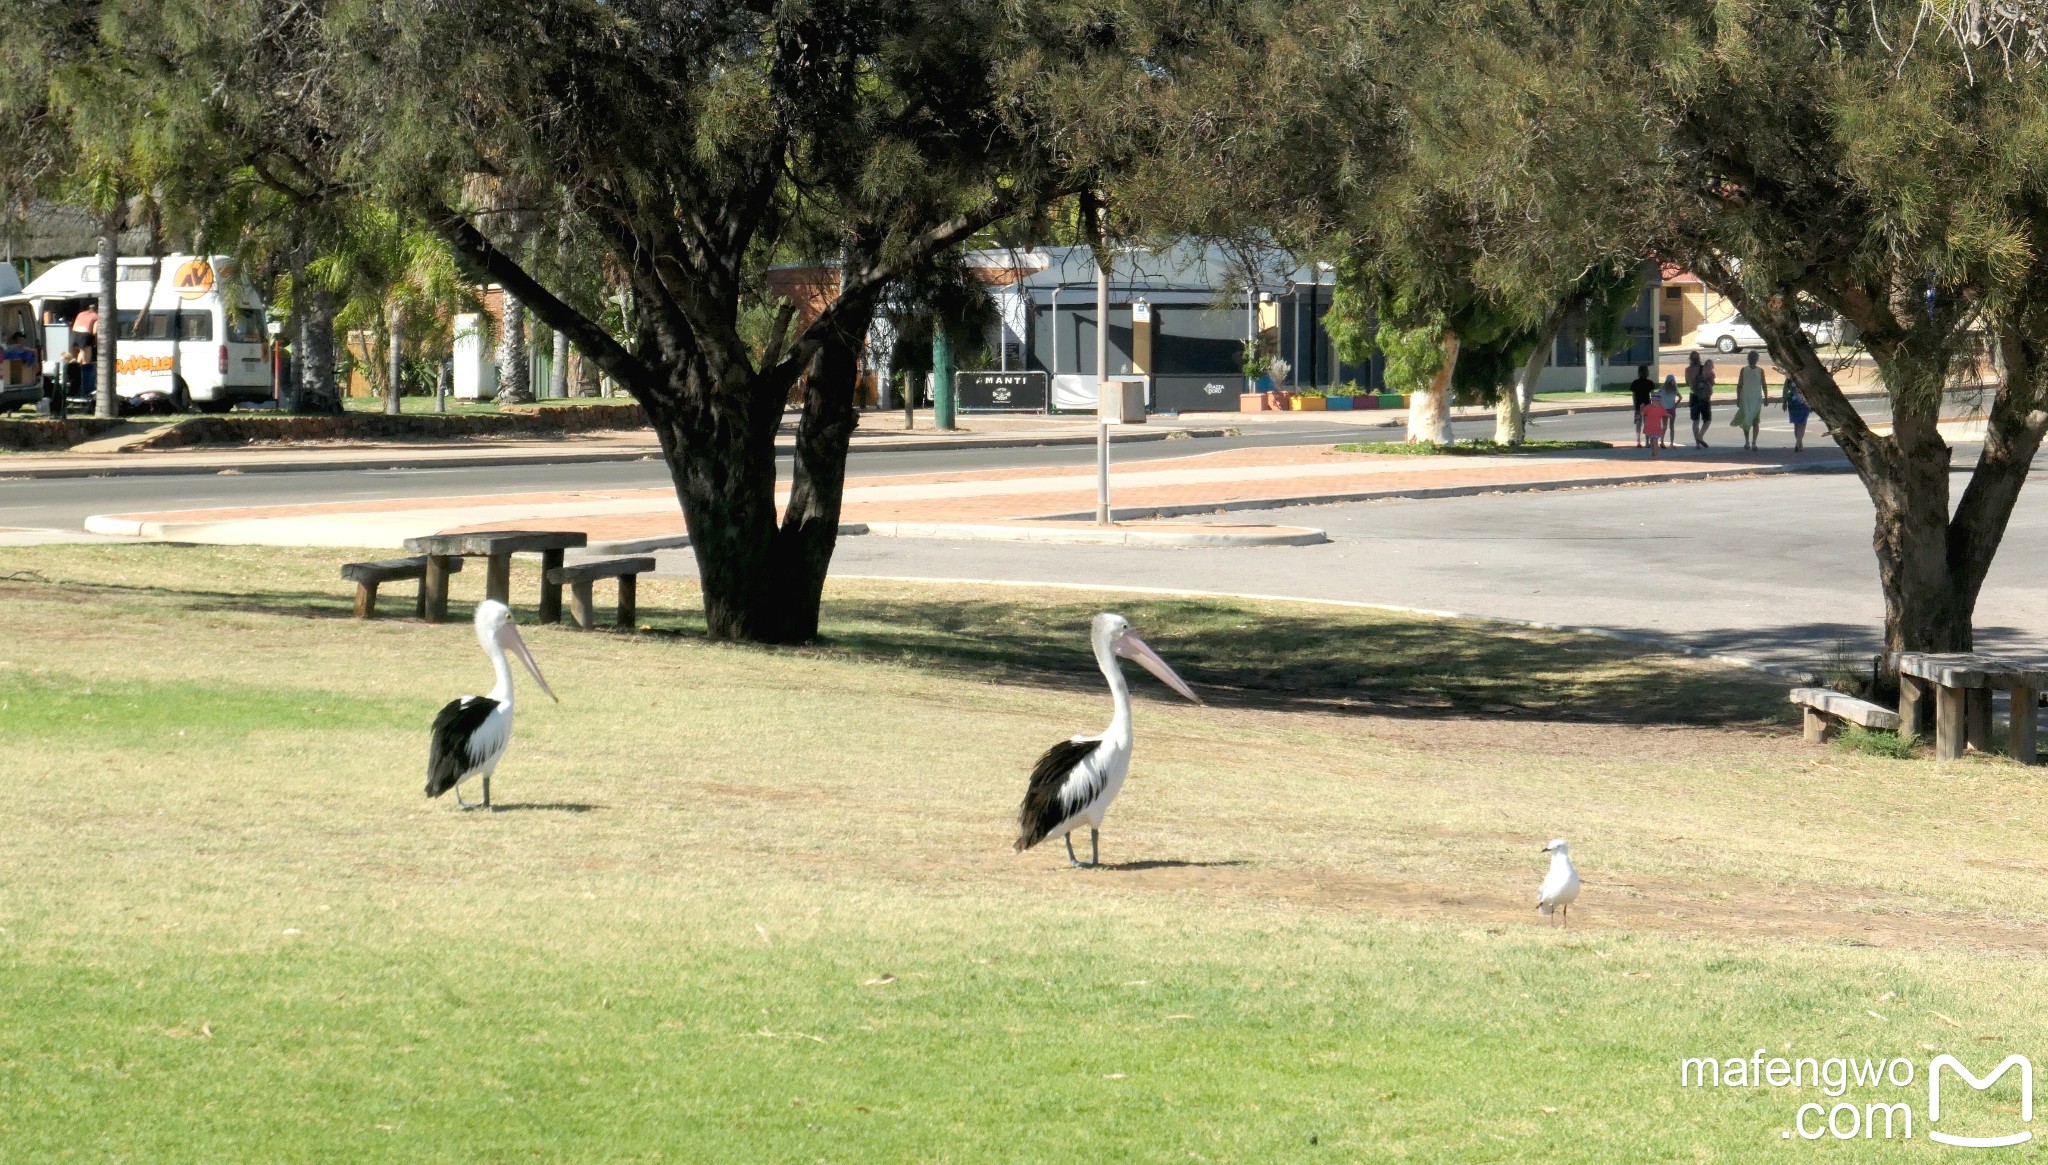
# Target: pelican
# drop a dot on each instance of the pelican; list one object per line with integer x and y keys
{"x": 1077, "y": 779}
{"x": 471, "y": 733}
{"x": 1561, "y": 885}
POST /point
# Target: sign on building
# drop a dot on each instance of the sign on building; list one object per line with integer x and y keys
{"x": 1196, "y": 394}
{"x": 1000, "y": 392}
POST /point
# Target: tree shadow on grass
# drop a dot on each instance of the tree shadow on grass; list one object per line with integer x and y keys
{"x": 1256, "y": 655}
{"x": 1166, "y": 864}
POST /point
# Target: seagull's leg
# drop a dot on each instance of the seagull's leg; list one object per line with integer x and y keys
{"x": 1071, "y": 859}
{"x": 1094, "y": 846}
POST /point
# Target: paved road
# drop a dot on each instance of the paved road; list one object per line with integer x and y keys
{"x": 1777, "y": 569}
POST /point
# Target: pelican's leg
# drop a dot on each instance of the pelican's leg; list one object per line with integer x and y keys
{"x": 1071, "y": 859}
{"x": 487, "y": 791}
{"x": 1094, "y": 846}
{"x": 458, "y": 797}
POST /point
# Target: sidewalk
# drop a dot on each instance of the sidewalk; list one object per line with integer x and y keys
{"x": 993, "y": 503}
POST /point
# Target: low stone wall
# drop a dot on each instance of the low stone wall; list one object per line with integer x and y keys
{"x": 32, "y": 436}
{"x": 259, "y": 429}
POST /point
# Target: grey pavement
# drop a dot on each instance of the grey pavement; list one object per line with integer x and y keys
{"x": 1779, "y": 570}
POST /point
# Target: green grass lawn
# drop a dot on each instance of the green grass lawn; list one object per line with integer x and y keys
{"x": 761, "y": 905}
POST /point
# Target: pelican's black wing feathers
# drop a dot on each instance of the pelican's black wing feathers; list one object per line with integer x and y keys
{"x": 450, "y": 755}
{"x": 1044, "y": 809}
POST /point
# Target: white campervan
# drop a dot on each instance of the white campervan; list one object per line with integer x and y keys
{"x": 191, "y": 330}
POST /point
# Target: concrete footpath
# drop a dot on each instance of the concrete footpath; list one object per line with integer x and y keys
{"x": 1041, "y": 504}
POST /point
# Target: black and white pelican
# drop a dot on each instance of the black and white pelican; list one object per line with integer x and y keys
{"x": 471, "y": 733}
{"x": 1077, "y": 779}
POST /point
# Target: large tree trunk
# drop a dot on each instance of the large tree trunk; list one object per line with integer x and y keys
{"x": 318, "y": 393}
{"x": 515, "y": 368}
{"x": 1931, "y": 565}
{"x": 763, "y": 574}
{"x": 106, "y": 400}
{"x": 1511, "y": 412}
{"x": 1429, "y": 411}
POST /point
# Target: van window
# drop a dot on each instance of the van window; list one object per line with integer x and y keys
{"x": 164, "y": 325}
{"x": 245, "y": 326}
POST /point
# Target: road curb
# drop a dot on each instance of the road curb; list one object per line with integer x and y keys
{"x": 1189, "y": 509}
{"x": 1161, "y": 536}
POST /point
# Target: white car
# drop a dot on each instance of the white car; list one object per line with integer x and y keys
{"x": 1819, "y": 333}
{"x": 1730, "y": 335}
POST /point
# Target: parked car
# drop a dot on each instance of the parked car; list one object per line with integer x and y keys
{"x": 1730, "y": 335}
{"x": 1819, "y": 333}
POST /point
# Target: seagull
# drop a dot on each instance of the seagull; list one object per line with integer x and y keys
{"x": 471, "y": 733}
{"x": 1077, "y": 779}
{"x": 1561, "y": 885}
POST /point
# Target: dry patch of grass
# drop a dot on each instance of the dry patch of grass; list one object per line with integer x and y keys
{"x": 760, "y": 904}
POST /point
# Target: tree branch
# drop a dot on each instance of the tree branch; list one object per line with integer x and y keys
{"x": 592, "y": 340}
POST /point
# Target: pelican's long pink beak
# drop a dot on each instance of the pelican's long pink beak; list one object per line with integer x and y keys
{"x": 508, "y": 635}
{"x": 1130, "y": 646}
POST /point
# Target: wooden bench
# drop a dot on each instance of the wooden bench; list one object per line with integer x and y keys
{"x": 579, "y": 576}
{"x": 369, "y": 575}
{"x": 1825, "y": 708}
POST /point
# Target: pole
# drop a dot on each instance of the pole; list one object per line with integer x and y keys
{"x": 942, "y": 378}
{"x": 1102, "y": 388}
{"x": 396, "y": 372}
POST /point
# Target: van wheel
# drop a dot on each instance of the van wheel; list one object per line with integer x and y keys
{"x": 181, "y": 395}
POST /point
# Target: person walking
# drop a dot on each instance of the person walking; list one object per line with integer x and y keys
{"x": 1749, "y": 402}
{"x": 1641, "y": 389}
{"x": 1797, "y": 411}
{"x": 1700, "y": 378}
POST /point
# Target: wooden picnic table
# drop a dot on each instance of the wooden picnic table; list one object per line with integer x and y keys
{"x": 1960, "y": 684}
{"x": 498, "y": 546}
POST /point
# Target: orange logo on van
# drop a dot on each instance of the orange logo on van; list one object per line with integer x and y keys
{"x": 194, "y": 279}
{"x": 143, "y": 364}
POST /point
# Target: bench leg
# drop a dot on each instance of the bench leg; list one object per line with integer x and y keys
{"x": 366, "y": 600}
{"x": 550, "y": 593}
{"x": 434, "y": 589}
{"x": 1948, "y": 723}
{"x": 1816, "y": 726}
{"x": 1915, "y": 707}
{"x": 498, "y": 580}
{"x": 2019, "y": 736}
{"x": 1977, "y": 707}
{"x": 629, "y": 589}
{"x": 579, "y": 605}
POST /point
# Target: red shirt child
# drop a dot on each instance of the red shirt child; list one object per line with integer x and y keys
{"x": 1654, "y": 416}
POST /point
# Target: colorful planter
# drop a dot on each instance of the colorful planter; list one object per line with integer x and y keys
{"x": 1339, "y": 404}
{"x": 1364, "y": 402}
{"x": 1393, "y": 400}
{"x": 1309, "y": 404}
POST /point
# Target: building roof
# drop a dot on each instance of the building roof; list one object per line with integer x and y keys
{"x": 1184, "y": 266}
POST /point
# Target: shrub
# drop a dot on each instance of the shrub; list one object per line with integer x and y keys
{"x": 1877, "y": 742}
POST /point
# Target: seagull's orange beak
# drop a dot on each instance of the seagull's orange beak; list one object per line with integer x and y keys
{"x": 1129, "y": 646}
{"x": 508, "y": 636}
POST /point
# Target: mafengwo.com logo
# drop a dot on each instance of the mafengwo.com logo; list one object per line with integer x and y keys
{"x": 1875, "y": 1098}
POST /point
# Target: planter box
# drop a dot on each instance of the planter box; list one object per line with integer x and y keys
{"x": 1264, "y": 402}
{"x": 1309, "y": 404}
{"x": 1339, "y": 404}
{"x": 1364, "y": 402}
{"x": 1393, "y": 400}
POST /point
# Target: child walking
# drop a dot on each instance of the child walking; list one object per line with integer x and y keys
{"x": 1655, "y": 415}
